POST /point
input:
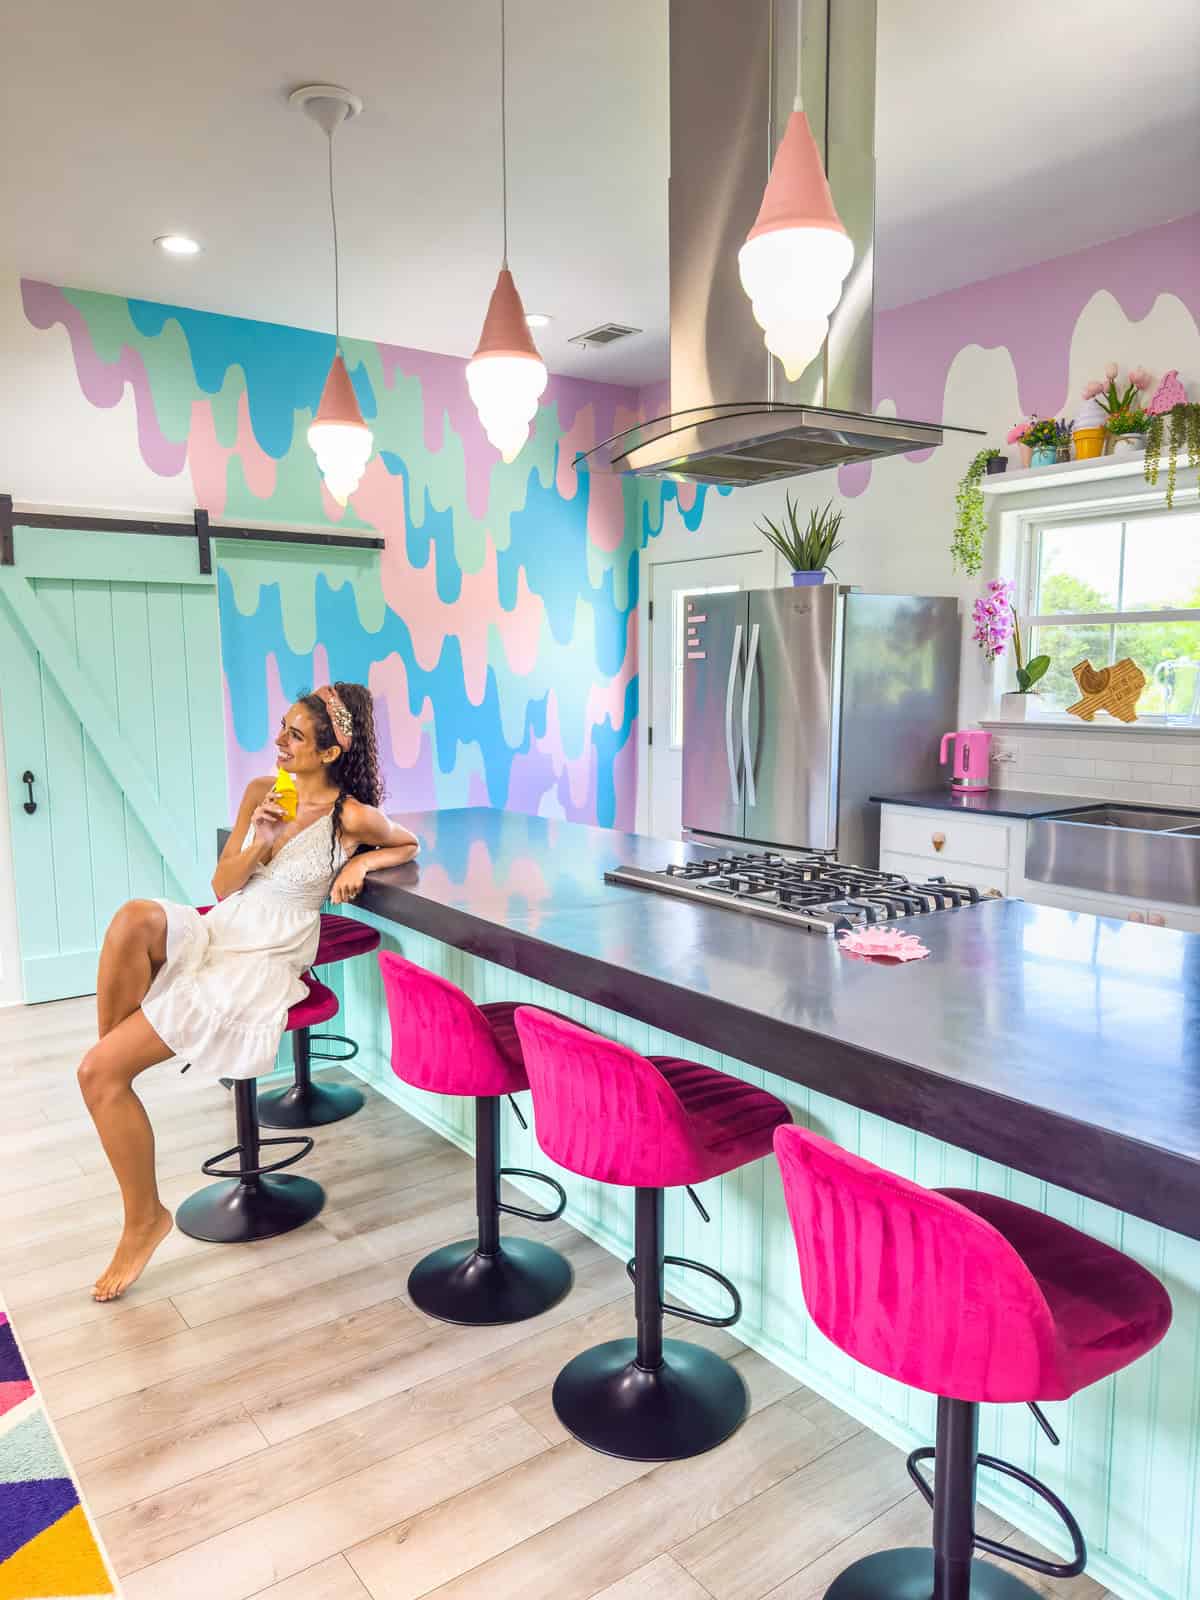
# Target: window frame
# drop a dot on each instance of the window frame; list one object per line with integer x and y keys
{"x": 1036, "y": 525}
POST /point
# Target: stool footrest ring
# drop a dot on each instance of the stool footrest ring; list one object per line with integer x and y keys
{"x": 316, "y": 1040}
{"x": 1020, "y": 1558}
{"x": 212, "y": 1168}
{"x": 670, "y": 1310}
{"x": 523, "y": 1211}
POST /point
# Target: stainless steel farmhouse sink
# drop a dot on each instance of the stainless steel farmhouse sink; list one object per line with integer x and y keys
{"x": 1131, "y": 850}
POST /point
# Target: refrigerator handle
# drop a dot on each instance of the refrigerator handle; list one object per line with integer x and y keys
{"x": 748, "y": 685}
{"x": 734, "y": 658}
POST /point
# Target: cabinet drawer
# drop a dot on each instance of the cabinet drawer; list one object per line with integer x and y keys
{"x": 918, "y": 868}
{"x": 916, "y": 833}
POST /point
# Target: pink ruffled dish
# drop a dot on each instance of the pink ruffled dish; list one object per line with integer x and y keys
{"x": 887, "y": 943}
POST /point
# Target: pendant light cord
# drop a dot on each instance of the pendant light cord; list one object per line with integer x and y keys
{"x": 337, "y": 287}
{"x": 504, "y": 126}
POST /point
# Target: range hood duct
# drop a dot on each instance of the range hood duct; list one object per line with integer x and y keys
{"x": 735, "y": 419}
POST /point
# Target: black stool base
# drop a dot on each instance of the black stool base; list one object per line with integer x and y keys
{"x": 457, "y": 1284}
{"x": 235, "y": 1211}
{"x": 908, "y": 1575}
{"x": 693, "y": 1402}
{"x": 309, "y": 1105}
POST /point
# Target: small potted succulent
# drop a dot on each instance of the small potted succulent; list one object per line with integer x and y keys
{"x": 1127, "y": 430}
{"x": 996, "y": 622}
{"x": 805, "y": 546}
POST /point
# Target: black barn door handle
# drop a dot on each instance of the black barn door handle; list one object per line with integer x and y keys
{"x": 28, "y": 780}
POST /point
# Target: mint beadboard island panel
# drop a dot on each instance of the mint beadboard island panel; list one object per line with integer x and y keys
{"x": 1129, "y": 1465}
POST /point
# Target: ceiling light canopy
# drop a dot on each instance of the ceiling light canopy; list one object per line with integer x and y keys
{"x": 538, "y": 319}
{"x": 337, "y": 436}
{"x": 797, "y": 255}
{"x": 177, "y": 244}
{"x": 506, "y": 375}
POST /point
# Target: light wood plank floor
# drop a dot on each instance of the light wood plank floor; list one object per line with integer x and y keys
{"x": 277, "y": 1420}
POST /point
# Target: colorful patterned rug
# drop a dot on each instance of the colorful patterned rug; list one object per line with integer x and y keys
{"x": 48, "y": 1548}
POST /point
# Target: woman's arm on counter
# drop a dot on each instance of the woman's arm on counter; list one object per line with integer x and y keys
{"x": 389, "y": 845}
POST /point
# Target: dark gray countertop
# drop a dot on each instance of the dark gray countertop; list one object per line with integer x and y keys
{"x": 1020, "y": 803}
{"x": 1061, "y": 1044}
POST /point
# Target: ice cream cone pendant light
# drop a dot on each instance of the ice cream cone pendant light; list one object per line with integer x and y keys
{"x": 338, "y": 436}
{"x": 797, "y": 254}
{"x": 506, "y": 375}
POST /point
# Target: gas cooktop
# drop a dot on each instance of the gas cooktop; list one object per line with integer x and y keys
{"x": 810, "y": 889}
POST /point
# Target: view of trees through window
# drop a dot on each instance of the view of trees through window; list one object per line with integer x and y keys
{"x": 1127, "y": 587}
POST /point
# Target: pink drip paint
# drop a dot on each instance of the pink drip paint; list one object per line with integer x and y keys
{"x": 103, "y": 383}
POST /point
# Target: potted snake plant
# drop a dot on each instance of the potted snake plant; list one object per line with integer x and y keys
{"x": 806, "y": 546}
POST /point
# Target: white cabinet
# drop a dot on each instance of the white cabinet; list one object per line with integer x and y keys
{"x": 947, "y": 844}
{"x": 989, "y": 852}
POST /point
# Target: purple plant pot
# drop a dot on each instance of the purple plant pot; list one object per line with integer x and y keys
{"x": 805, "y": 580}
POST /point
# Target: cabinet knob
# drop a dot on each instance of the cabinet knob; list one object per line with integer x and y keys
{"x": 939, "y": 841}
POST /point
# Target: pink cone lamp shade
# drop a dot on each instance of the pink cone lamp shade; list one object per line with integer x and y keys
{"x": 506, "y": 376}
{"x": 338, "y": 436}
{"x": 797, "y": 255}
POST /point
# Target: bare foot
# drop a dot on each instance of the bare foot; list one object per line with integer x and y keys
{"x": 133, "y": 1251}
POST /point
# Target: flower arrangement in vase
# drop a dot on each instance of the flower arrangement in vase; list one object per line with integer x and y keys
{"x": 996, "y": 623}
{"x": 1173, "y": 419}
{"x": 1040, "y": 439}
{"x": 1118, "y": 401}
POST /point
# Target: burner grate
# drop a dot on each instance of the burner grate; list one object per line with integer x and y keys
{"x": 811, "y": 890}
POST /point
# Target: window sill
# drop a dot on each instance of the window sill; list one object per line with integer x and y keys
{"x": 1073, "y": 725}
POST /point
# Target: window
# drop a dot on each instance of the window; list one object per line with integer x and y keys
{"x": 679, "y": 650}
{"x": 1114, "y": 587}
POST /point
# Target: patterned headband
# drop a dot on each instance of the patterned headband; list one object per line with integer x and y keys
{"x": 343, "y": 722}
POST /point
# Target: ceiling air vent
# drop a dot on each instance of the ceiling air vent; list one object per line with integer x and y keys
{"x": 606, "y": 333}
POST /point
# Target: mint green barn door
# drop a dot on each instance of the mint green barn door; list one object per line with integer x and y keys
{"x": 110, "y": 689}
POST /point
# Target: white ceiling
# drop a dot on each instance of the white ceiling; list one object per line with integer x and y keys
{"x": 1004, "y": 137}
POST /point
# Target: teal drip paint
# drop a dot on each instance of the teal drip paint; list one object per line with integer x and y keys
{"x": 1130, "y": 1461}
{"x": 285, "y": 368}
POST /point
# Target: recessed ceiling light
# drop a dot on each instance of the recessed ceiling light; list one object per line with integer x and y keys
{"x": 177, "y": 244}
{"x": 538, "y": 319}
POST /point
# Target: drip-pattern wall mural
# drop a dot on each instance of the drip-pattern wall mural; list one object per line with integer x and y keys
{"x": 498, "y": 627}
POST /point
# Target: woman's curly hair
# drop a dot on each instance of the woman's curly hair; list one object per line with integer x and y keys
{"x": 355, "y": 771}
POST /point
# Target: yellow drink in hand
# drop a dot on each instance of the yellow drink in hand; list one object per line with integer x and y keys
{"x": 284, "y": 793}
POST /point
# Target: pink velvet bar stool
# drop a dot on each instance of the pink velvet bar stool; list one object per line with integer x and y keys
{"x": 444, "y": 1043}
{"x": 252, "y": 1201}
{"x": 305, "y": 1104}
{"x": 648, "y": 1123}
{"x": 971, "y": 1298}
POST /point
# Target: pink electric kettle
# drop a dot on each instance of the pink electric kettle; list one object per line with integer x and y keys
{"x": 971, "y": 747}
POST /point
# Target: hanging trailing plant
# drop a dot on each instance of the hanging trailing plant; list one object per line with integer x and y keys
{"x": 970, "y": 521}
{"x": 1179, "y": 428}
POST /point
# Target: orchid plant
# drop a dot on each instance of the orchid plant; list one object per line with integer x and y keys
{"x": 996, "y": 622}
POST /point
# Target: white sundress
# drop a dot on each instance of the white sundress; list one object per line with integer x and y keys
{"x": 220, "y": 1000}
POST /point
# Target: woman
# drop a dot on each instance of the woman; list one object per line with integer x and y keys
{"x": 215, "y": 990}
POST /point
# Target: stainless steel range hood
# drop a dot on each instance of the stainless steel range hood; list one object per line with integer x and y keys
{"x": 734, "y": 418}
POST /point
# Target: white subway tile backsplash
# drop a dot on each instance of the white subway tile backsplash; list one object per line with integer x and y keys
{"x": 1113, "y": 769}
{"x": 1172, "y": 794}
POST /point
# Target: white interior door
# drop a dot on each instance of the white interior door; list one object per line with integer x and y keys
{"x": 670, "y": 584}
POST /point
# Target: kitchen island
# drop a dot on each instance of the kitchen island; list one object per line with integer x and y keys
{"x": 1051, "y": 1057}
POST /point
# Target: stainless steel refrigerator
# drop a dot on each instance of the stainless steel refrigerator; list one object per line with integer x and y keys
{"x": 798, "y": 704}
